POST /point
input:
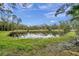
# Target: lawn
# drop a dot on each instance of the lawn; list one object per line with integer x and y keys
{"x": 15, "y": 46}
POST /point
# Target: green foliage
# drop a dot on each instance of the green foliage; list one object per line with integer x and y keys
{"x": 67, "y": 29}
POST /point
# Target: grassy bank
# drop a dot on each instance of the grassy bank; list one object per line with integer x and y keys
{"x": 14, "y": 46}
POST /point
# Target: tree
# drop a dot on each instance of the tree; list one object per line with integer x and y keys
{"x": 18, "y": 22}
{"x": 6, "y": 13}
{"x": 74, "y": 12}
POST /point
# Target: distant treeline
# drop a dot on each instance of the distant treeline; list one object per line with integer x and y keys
{"x": 9, "y": 26}
{"x": 5, "y": 26}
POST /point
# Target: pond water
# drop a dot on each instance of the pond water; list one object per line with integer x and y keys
{"x": 38, "y": 35}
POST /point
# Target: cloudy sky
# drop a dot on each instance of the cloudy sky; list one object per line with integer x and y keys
{"x": 40, "y": 13}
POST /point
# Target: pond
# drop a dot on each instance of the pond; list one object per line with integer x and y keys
{"x": 38, "y": 35}
{"x": 35, "y": 34}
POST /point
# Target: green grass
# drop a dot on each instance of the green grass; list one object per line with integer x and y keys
{"x": 14, "y": 46}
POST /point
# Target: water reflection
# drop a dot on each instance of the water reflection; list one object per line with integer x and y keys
{"x": 38, "y": 35}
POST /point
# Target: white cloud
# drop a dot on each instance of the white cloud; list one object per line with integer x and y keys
{"x": 62, "y": 15}
{"x": 43, "y": 7}
{"x": 26, "y": 5}
{"x": 32, "y": 6}
{"x": 50, "y": 14}
{"x": 29, "y": 5}
{"x": 52, "y": 21}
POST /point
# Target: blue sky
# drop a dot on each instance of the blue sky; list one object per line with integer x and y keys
{"x": 40, "y": 13}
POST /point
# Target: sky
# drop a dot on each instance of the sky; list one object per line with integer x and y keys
{"x": 40, "y": 13}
